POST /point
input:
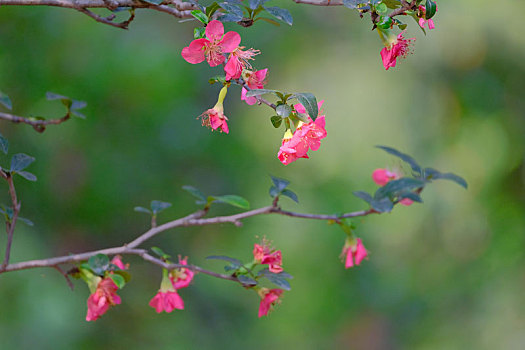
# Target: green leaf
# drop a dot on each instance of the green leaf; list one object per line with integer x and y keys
{"x": 20, "y": 161}
{"x": 364, "y": 196}
{"x": 247, "y": 281}
{"x": 381, "y": 8}
{"x": 283, "y": 110}
{"x": 276, "y": 121}
{"x": 430, "y": 9}
{"x": 99, "y": 263}
{"x": 118, "y": 279}
{"x": 309, "y": 102}
{"x": 394, "y": 187}
{"x": 200, "y": 16}
{"x": 4, "y": 144}
{"x": 235, "y": 262}
{"x": 433, "y": 174}
{"x": 231, "y": 199}
{"x": 291, "y": 195}
{"x": 199, "y": 33}
{"x": 5, "y": 101}
{"x": 158, "y": 206}
{"x": 280, "y": 13}
{"x": 279, "y": 183}
{"x": 75, "y": 105}
{"x": 274, "y": 192}
{"x": 258, "y": 92}
{"x": 393, "y": 4}
{"x": 278, "y": 279}
{"x": 232, "y": 9}
{"x": 254, "y": 4}
{"x": 353, "y": 4}
{"x": 383, "y": 205}
{"x": 26, "y": 221}
{"x": 27, "y": 175}
{"x": 269, "y": 20}
{"x": 405, "y": 157}
{"x": 160, "y": 253}
{"x": 410, "y": 195}
{"x": 66, "y": 101}
{"x": 194, "y": 192}
{"x": 125, "y": 274}
{"x": 142, "y": 210}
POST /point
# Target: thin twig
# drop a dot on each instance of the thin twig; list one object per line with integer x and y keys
{"x": 10, "y": 226}
{"x": 38, "y": 125}
{"x": 69, "y": 283}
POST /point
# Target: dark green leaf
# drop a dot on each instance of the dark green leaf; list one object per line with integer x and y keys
{"x": 20, "y": 161}
{"x": 195, "y": 192}
{"x": 278, "y": 280}
{"x": 230, "y": 17}
{"x": 410, "y": 195}
{"x": 200, "y": 16}
{"x": 118, "y": 279}
{"x": 196, "y": 3}
{"x": 258, "y": 92}
{"x": 247, "y": 281}
{"x": 394, "y": 187}
{"x": 233, "y": 200}
{"x": 280, "y": 13}
{"x": 158, "y": 206}
{"x": 383, "y": 205}
{"x": 290, "y": 194}
{"x": 430, "y": 9}
{"x": 5, "y": 101}
{"x": 254, "y": 4}
{"x": 142, "y": 210}
{"x": 160, "y": 253}
{"x": 27, "y": 175}
{"x": 52, "y": 96}
{"x": 276, "y": 121}
{"x": 274, "y": 192}
{"x": 233, "y": 9}
{"x": 235, "y": 262}
{"x": 125, "y": 274}
{"x": 309, "y": 102}
{"x": 352, "y": 4}
{"x": 99, "y": 263}
{"x": 364, "y": 196}
{"x": 78, "y": 104}
{"x": 405, "y": 157}
{"x": 280, "y": 184}
{"x": 283, "y": 110}
{"x": 433, "y": 174}
{"x": 4, "y": 144}
{"x": 78, "y": 114}
{"x": 154, "y": 2}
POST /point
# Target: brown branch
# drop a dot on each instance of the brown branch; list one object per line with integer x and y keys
{"x": 109, "y": 20}
{"x": 38, "y": 125}
{"x": 260, "y": 100}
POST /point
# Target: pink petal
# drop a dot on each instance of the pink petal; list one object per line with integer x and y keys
{"x": 157, "y": 303}
{"x": 431, "y": 24}
{"x": 194, "y": 53}
{"x": 406, "y": 202}
{"x": 230, "y": 41}
{"x": 233, "y": 68}
{"x": 380, "y": 177}
{"x": 214, "y": 30}
{"x": 349, "y": 258}
{"x": 422, "y": 22}
{"x": 360, "y": 253}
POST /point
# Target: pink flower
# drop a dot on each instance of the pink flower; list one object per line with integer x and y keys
{"x": 181, "y": 278}
{"x": 117, "y": 260}
{"x": 422, "y": 20}
{"x": 213, "y": 47}
{"x": 354, "y": 254}
{"x": 254, "y": 80}
{"x": 167, "y": 301}
{"x": 104, "y": 297}
{"x": 269, "y": 297}
{"x": 214, "y": 118}
{"x": 237, "y": 61}
{"x": 384, "y": 176}
{"x": 292, "y": 148}
{"x": 400, "y": 48}
{"x": 268, "y": 256}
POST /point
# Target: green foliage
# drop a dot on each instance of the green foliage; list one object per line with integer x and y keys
{"x": 5, "y": 101}
{"x": 98, "y": 264}
{"x": 160, "y": 253}
{"x": 309, "y": 102}
{"x": 20, "y": 161}
{"x": 4, "y": 144}
{"x": 231, "y": 199}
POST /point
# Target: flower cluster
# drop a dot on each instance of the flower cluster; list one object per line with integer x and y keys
{"x": 384, "y": 176}
{"x": 264, "y": 254}
{"x": 167, "y": 299}
{"x": 306, "y": 137}
{"x": 423, "y": 21}
{"x": 399, "y": 47}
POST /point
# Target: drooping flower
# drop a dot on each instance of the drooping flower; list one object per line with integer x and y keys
{"x": 214, "y": 118}
{"x": 237, "y": 61}
{"x": 117, "y": 261}
{"x": 292, "y": 148}
{"x": 353, "y": 253}
{"x": 400, "y": 47}
{"x": 181, "y": 278}
{"x": 213, "y": 46}
{"x": 269, "y": 297}
{"x": 254, "y": 80}
{"x": 167, "y": 299}
{"x": 384, "y": 176}
{"x": 266, "y": 255}
{"x": 423, "y": 21}
{"x": 103, "y": 297}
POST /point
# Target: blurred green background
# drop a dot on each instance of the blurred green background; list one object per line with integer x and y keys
{"x": 448, "y": 274}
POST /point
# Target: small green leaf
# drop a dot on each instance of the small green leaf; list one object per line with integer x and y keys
{"x": 233, "y": 200}
{"x": 364, "y": 196}
{"x": 27, "y": 175}
{"x": 247, "y": 281}
{"x": 232, "y": 9}
{"x": 309, "y": 102}
{"x": 410, "y": 195}
{"x": 142, "y": 210}
{"x": 280, "y": 184}
{"x": 20, "y": 161}
{"x": 394, "y": 187}
{"x": 160, "y": 253}
{"x": 258, "y": 92}
{"x": 4, "y": 144}
{"x": 125, "y": 274}
{"x": 353, "y": 4}
{"x": 278, "y": 279}
{"x": 274, "y": 192}
{"x": 283, "y": 110}
{"x": 199, "y": 33}
{"x": 200, "y": 16}
{"x": 433, "y": 174}
{"x": 276, "y": 121}
{"x": 158, "y": 206}
{"x": 430, "y": 9}
{"x": 291, "y": 195}
{"x": 118, "y": 279}
{"x": 194, "y": 192}
{"x": 99, "y": 263}
{"x": 26, "y": 221}
{"x": 5, "y": 101}
{"x": 383, "y": 205}
{"x": 381, "y": 9}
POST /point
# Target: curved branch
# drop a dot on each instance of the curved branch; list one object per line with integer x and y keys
{"x": 38, "y": 125}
